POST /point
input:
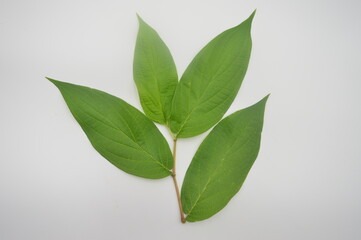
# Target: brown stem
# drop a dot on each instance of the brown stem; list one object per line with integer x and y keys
{"x": 183, "y": 220}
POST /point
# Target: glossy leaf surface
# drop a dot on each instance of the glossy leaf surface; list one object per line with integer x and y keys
{"x": 118, "y": 131}
{"x": 222, "y": 163}
{"x": 211, "y": 81}
{"x": 154, "y": 73}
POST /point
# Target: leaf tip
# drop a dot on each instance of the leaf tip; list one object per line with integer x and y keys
{"x": 248, "y": 22}
{"x": 140, "y": 20}
{"x": 51, "y": 80}
{"x": 262, "y": 103}
{"x": 254, "y": 12}
{"x": 264, "y": 100}
{"x": 250, "y": 18}
{"x": 57, "y": 83}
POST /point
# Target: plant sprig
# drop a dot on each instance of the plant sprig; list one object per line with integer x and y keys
{"x": 130, "y": 140}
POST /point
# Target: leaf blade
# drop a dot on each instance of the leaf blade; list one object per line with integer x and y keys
{"x": 154, "y": 73}
{"x": 118, "y": 131}
{"x": 211, "y": 81}
{"x": 222, "y": 162}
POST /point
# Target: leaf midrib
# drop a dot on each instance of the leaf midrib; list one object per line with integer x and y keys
{"x": 154, "y": 75}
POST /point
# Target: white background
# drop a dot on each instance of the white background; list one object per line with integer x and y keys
{"x": 305, "y": 183}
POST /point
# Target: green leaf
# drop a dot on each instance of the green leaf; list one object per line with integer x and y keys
{"x": 211, "y": 81}
{"x": 222, "y": 163}
{"x": 154, "y": 73}
{"x": 118, "y": 131}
